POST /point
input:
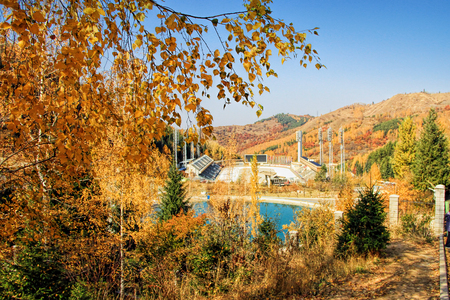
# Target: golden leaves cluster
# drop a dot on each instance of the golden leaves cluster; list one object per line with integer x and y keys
{"x": 59, "y": 87}
{"x": 132, "y": 186}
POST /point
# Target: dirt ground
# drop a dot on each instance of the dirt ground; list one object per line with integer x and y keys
{"x": 409, "y": 270}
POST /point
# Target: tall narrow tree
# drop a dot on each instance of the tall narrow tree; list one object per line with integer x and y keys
{"x": 173, "y": 200}
{"x": 255, "y": 217}
{"x": 405, "y": 150}
{"x": 431, "y": 165}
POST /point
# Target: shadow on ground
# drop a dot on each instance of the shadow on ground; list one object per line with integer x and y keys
{"x": 409, "y": 270}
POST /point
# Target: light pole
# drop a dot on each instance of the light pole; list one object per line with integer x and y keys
{"x": 330, "y": 155}
{"x": 321, "y": 146}
{"x": 300, "y": 141}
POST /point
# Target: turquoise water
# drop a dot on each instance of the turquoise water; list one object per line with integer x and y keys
{"x": 282, "y": 214}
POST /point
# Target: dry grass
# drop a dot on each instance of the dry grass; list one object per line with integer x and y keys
{"x": 282, "y": 271}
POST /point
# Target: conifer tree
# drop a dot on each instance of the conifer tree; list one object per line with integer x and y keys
{"x": 363, "y": 226}
{"x": 386, "y": 169}
{"x": 322, "y": 174}
{"x": 431, "y": 165}
{"x": 359, "y": 169}
{"x": 373, "y": 175}
{"x": 173, "y": 200}
{"x": 405, "y": 150}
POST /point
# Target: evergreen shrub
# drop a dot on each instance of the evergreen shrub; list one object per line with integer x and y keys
{"x": 363, "y": 229}
{"x": 173, "y": 200}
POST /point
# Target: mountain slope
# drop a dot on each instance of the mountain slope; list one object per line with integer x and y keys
{"x": 367, "y": 127}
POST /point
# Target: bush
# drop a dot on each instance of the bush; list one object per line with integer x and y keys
{"x": 363, "y": 230}
{"x": 416, "y": 225}
{"x": 36, "y": 274}
{"x": 267, "y": 236}
{"x": 315, "y": 226}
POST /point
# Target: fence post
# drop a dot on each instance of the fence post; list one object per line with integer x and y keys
{"x": 393, "y": 210}
{"x": 439, "y": 196}
{"x": 337, "y": 220}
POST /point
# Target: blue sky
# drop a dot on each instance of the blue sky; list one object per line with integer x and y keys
{"x": 373, "y": 50}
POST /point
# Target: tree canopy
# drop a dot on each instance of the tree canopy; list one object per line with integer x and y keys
{"x": 405, "y": 149}
{"x": 363, "y": 229}
{"x": 67, "y": 66}
{"x": 431, "y": 166}
{"x": 88, "y": 91}
{"x": 173, "y": 199}
{"x": 382, "y": 158}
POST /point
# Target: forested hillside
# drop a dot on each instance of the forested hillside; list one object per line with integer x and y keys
{"x": 264, "y": 130}
{"x": 366, "y": 127}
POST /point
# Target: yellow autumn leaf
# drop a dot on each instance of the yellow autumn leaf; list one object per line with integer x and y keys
{"x": 217, "y": 53}
{"x": 5, "y": 25}
{"x": 247, "y": 66}
{"x": 138, "y": 43}
{"x": 39, "y": 17}
{"x": 255, "y": 36}
{"x": 34, "y": 29}
{"x": 89, "y": 10}
{"x": 140, "y": 17}
{"x": 138, "y": 114}
{"x": 251, "y": 77}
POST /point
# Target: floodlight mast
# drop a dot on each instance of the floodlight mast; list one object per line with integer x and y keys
{"x": 330, "y": 154}
{"x": 198, "y": 142}
{"x": 175, "y": 144}
{"x": 320, "y": 144}
{"x": 300, "y": 146}
{"x": 341, "y": 138}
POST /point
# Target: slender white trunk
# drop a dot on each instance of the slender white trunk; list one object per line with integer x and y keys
{"x": 121, "y": 249}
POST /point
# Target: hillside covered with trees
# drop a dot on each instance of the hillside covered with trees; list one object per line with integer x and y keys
{"x": 366, "y": 128}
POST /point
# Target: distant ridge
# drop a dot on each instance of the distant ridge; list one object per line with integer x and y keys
{"x": 366, "y": 126}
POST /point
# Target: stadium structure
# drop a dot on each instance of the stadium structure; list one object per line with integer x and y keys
{"x": 271, "y": 171}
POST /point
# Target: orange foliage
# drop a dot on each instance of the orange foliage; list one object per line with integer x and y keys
{"x": 346, "y": 198}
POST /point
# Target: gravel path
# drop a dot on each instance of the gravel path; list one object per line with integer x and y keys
{"x": 409, "y": 270}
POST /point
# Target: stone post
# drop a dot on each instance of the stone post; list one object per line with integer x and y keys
{"x": 337, "y": 220}
{"x": 439, "y": 196}
{"x": 393, "y": 210}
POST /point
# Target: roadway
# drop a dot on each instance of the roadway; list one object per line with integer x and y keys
{"x": 310, "y": 202}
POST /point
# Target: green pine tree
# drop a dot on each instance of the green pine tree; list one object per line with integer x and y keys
{"x": 359, "y": 169}
{"x": 431, "y": 165}
{"x": 405, "y": 150}
{"x": 363, "y": 230}
{"x": 173, "y": 200}
{"x": 322, "y": 174}
{"x": 37, "y": 273}
{"x": 386, "y": 168}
